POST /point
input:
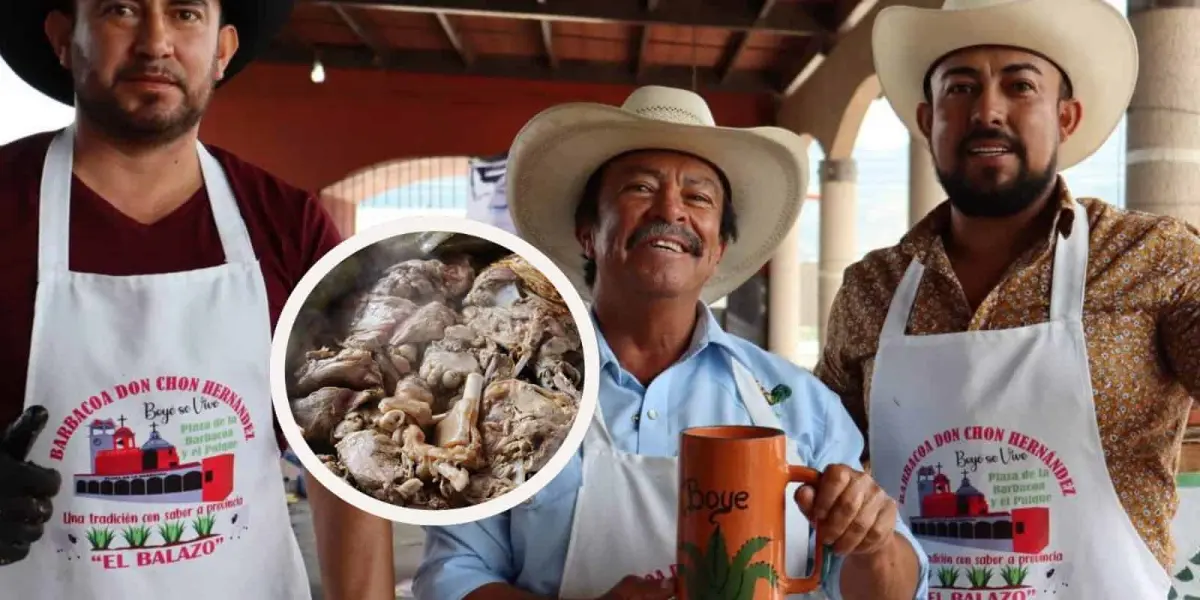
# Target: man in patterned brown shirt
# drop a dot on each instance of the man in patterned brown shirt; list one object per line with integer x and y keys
{"x": 961, "y": 310}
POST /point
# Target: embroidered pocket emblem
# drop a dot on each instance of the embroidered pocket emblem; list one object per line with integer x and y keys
{"x": 778, "y": 394}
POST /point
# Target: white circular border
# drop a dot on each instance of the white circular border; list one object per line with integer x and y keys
{"x": 426, "y": 517}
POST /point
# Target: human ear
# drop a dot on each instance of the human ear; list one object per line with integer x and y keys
{"x": 58, "y": 27}
{"x": 1070, "y": 113}
{"x": 227, "y": 47}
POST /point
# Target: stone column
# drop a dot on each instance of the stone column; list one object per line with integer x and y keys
{"x": 924, "y": 190}
{"x": 784, "y": 304}
{"x": 1163, "y": 135}
{"x": 839, "y": 231}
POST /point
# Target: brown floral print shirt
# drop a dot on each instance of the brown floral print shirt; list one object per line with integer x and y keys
{"x": 1141, "y": 319}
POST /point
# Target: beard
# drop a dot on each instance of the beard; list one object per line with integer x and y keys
{"x": 996, "y": 201}
{"x": 149, "y": 122}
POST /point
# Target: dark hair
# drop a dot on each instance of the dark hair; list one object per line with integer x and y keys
{"x": 588, "y": 209}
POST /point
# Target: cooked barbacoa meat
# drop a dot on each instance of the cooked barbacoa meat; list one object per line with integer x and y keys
{"x": 428, "y": 324}
{"x": 523, "y": 425}
{"x": 393, "y": 365}
{"x": 377, "y": 318}
{"x": 318, "y": 413}
{"x": 412, "y": 403}
{"x": 425, "y": 280}
{"x": 448, "y": 389}
{"x": 350, "y": 368}
{"x": 372, "y": 460}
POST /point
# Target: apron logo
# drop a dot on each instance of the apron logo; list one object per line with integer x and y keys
{"x": 123, "y": 472}
{"x": 717, "y": 503}
{"x": 94, "y": 404}
{"x": 172, "y": 473}
{"x": 982, "y": 511}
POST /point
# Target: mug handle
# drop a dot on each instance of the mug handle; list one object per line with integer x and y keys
{"x": 802, "y": 585}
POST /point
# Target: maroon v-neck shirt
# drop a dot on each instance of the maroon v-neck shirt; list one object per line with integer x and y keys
{"x": 288, "y": 229}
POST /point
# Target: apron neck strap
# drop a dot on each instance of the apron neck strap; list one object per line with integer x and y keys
{"x": 752, "y": 395}
{"x": 54, "y": 206}
{"x": 597, "y": 435}
{"x": 1066, "y": 290}
{"x": 1070, "y": 269}
{"x": 896, "y": 323}
{"x": 235, "y": 240}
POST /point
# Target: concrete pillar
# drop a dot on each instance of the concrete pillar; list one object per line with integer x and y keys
{"x": 924, "y": 190}
{"x": 783, "y": 324}
{"x": 839, "y": 231}
{"x": 1163, "y": 136}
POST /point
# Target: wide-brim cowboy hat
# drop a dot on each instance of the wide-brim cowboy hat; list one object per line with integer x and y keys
{"x": 557, "y": 151}
{"x": 1089, "y": 40}
{"x": 25, "y": 49}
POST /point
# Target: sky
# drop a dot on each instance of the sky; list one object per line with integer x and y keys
{"x": 24, "y": 111}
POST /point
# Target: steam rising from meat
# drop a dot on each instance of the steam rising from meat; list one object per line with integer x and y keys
{"x": 456, "y": 378}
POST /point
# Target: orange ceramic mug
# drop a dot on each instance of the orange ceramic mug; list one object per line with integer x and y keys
{"x": 731, "y": 524}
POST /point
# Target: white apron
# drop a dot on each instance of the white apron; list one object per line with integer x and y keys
{"x": 160, "y": 422}
{"x": 988, "y": 440}
{"x": 625, "y": 514}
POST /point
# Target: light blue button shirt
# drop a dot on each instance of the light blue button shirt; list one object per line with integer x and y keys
{"x": 527, "y": 546}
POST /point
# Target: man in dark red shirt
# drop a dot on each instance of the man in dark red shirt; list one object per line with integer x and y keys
{"x": 144, "y": 273}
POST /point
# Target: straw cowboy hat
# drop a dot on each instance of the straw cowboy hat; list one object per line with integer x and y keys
{"x": 24, "y": 47}
{"x": 1090, "y": 40}
{"x": 555, "y": 153}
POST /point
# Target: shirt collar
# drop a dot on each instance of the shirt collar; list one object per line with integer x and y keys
{"x": 707, "y": 332}
{"x": 928, "y": 231}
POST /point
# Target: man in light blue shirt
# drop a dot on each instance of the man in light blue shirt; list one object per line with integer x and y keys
{"x": 656, "y": 215}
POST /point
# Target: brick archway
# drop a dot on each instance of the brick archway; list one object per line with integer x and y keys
{"x": 344, "y": 198}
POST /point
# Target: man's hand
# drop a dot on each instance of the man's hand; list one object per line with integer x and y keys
{"x": 26, "y": 489}
{"x": 637, "y": 588}
{"x": 851, "y": 511}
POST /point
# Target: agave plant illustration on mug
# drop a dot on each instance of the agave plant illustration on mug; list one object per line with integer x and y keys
{"x": 1186, "y": 577}
{"x": 712, "y": 575}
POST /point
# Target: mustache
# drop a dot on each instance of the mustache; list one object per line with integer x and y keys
{"x": 694, "y": 245}
{"x": 991, "y": 135}
{"x": 142, "y": 70}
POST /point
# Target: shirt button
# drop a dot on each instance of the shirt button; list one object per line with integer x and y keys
{"x": 653, "y": 414}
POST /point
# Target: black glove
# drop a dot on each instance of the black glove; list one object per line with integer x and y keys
{"x": 25, "y": 488}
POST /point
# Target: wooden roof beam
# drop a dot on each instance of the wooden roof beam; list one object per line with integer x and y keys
{"x": 641, "y": 40}
{"x": 363, "y": 33}
{"x": 446, "y": 62}
{"x": 464, "y": 52}
{"x": 739, "y": 40}
{"x": 790, "y": 19}
{"x": 806, "y": 62}
{"x": 548, "y": 43}
{"x": 851, "y": 12}
{"x": 840, "y": 16}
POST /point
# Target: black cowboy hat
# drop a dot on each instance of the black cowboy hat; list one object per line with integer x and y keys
{"x": 25, "y": 49}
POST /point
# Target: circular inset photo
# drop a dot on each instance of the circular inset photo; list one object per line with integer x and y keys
{"x": 434, "y": 370}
